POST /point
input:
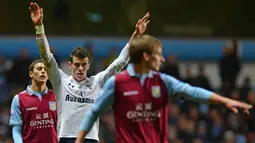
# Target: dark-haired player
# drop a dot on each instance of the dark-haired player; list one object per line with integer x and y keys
{"x": 76, "y": 93}
{"x": 34, "y": 111}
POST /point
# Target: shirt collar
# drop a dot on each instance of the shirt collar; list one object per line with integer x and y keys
{"x": 131, "y": 72}
{"x": 81, "y": 83}
{"x": 30, "y": 92}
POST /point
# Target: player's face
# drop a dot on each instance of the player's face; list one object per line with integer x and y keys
{"x": 39, "y": 74}
{"x": 79, "y": 68}
{"x": 156, "y": 59}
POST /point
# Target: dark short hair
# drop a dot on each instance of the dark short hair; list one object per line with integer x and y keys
{"x": 140, "y": 45}
{"x": 32, "y": 65}
{"x": 80, "y": 53}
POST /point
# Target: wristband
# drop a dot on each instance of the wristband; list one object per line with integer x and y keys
{"x": 39, "y": 29}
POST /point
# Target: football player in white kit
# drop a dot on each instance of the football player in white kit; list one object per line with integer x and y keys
{"x": 76, "y": 93}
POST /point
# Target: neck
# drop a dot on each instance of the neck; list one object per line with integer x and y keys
{"x": 141, "y": 68}
{"x": 77, "y": 79}
{"x": 38, "y": 87}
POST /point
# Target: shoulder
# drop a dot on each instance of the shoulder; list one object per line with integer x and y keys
{"x": 122, "y": 78}
{"x": 93, "y": 81}
{"x": 164, "y": 76}
{"x": 170, "y": 81}
{"x": 15, "y": 103}
{"x": 155, "y": 73}
{"x": 122, "y": 75}
{"x": 63, "y": 74}
{"x": 51, "y": 92}
{"x": 22, "y": 94}
{"x": 92, "y": 78}
{"x": 15, "y": 99}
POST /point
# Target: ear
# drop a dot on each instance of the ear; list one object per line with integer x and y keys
{"x": 88, "y": 66}
{"x": 69, "y": 64}
{"x": 30, "y": 74}
{"x": 146, "y": 56}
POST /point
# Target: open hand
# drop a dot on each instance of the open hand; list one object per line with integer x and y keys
{"x": 36, "y": 13}
{"x": 234, "y": 105}
{"x": 141, "y": 24}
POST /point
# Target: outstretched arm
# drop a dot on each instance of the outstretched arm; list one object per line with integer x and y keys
{"x": 197, "y": 94}
{"x": 53, "y": 71}
{"x": 123, "y": 59}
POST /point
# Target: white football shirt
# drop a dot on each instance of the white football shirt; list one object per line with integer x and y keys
{"x": 74, "y": 98}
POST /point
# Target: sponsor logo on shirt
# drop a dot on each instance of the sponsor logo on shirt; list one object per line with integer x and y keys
{"x": 31, "y": 108}
{"x": 79, "y": 99}
{"x": 143, "y": 112}
{"x": 42, "y": 121}
{"x": 129, "y": 93}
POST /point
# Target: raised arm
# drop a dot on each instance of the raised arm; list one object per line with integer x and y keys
{"x": 53, "y": 71}
{"x": 198, "y": 94}
{"x": 103, "y": 103}
{"x": 123, "y": 59}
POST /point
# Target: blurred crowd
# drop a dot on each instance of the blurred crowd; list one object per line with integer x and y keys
{"x": 189, "y": 122}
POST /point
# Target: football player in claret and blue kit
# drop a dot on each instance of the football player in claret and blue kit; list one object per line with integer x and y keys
{"x": 139, "y": 96}
{"x": 34, "y": 110}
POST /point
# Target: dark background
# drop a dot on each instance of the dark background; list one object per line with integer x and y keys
{"x": 197, "y": 37}
{"x": 218, "y": 18}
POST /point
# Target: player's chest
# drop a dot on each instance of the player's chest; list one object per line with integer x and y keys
{"x": 137, "y": 92}
{"x": 80, "y": 90}
{"x": 142, "y": 99}
{"x": 77, "y": 95}
{"x": 35, "y": 104}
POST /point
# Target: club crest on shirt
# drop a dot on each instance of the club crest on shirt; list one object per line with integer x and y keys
{"x": 81, "y": 93}
{"x": 52, "y": 106}
{"x": 155, "y": 91}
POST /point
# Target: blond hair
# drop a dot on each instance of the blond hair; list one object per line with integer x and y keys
{"x": 140, "y": 45}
